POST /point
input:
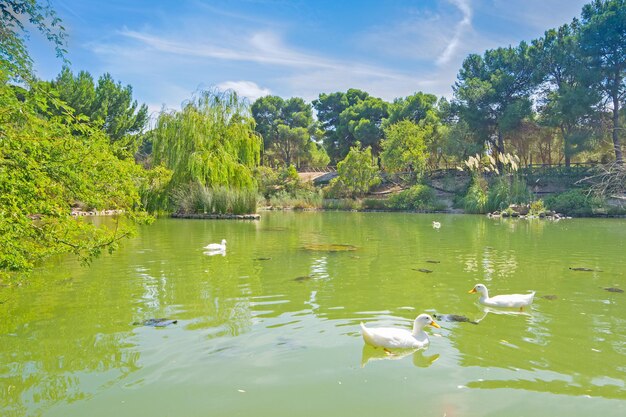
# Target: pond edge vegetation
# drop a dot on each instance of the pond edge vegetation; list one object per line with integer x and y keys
{"x": 536, "y": 127}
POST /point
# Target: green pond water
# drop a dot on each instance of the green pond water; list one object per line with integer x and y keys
{"x": 272, "y": 327}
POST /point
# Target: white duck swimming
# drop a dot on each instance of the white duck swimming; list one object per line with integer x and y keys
{"x": 392, "y": 338}
{"x": 507, "y": 301}
{"x": 436, "y": 225}
{"x": 216, "y": 246}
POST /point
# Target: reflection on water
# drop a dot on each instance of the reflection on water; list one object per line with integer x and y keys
{"x": 221, "y": 252}
{"x": 68, "y": 346}
{"x": 502, "y": 311}
{"x": 611, "y": 389}
{"x": 420, "y": 359}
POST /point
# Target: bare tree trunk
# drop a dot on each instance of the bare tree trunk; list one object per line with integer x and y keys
{"x": 616, "y": 145}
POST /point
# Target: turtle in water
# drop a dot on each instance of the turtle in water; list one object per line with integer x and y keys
{"x": 613, "y": 289}
{"x": 584, "y": 269}
{"x": 303, "y": 278}
{"x": 453, "y": 317}
{"x": 549, "y": 297}
{"x": 162, "y": 322}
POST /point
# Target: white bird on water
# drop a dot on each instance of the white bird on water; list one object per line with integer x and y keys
{"x": 393, "y": 338}
{"x": 216, "y": 246}
{"x": 436, "y": 225}
{"x": 504, "y": 301}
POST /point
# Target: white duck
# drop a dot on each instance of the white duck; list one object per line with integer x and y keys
{"x": 436, "y": 225}
{"x": 216, "y": 246}
{"x": 508, "y": 301}
{"x": 392, "y": 338}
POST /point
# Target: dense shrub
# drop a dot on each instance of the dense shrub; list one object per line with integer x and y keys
{"x": 505, "y": 191}
{"x": 418, "y": 197}
{"x": 572, "y": 203}
{"x": 374, "y": 204}
{"x": 498, "y": 195}
{"x": 288, "y": 178}
{"x": 267, "y": 180}
{"x": 275, "y": 181}
{"x": 357, "y": 174}
{"x": 475, "y": 200}
{"x": 242, "y": 201}
{"x": 341, "y": 204}
{"x": 195, "y": 198}
{"x": 537, "y": 207}
{"x": 299, "y": 199}
{"x": 191, "y": 198}
{"x": 335, "y": 189}
{"x": 282, "y": 188}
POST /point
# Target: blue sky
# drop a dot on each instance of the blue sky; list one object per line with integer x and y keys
{"x": 167, "y": 49}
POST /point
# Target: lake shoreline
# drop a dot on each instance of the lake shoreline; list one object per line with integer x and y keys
{"x": 205, "y": 216}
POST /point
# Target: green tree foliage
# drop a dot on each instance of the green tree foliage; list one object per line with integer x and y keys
{"x": 211, "y": 141}
{"x": 603, "y": 40}
{"x": 570, "y": 93}
{"x": 14, "y": 16}
{"x": 316, "y": 155}
{"x": 493, "y": 92}
{"x": 416, "y": 108}
{"x": 268, "y": 115}
{"x": 357, "y": 172}
{"x": 290, "y": 143}
{"x": 363, "y": 122}
{"x": 107, "y": 103}
{"x": 330, "y": 106}
{"x": 78, "y": 91}
{"x": 288, "y": 130}
{"x": 457, "y": 140}
{"x": 404, "y": 147}
{"x": 51, "y": 158}
{"x": 337, "y": 136}
{"x": 48, "y": 160}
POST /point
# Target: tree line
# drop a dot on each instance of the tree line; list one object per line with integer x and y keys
{"x": 546, "y": 100}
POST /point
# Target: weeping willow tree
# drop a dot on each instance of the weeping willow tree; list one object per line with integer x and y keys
{"x": 211, "y": 142}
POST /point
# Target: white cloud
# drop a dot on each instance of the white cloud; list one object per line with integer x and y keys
{"x": 461, "y": 28}
{"x": 263, "y": 47}
{"x": 169, "y": 67}
{"x": 247, "y": 89}
{"x": 431, "y": 35}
